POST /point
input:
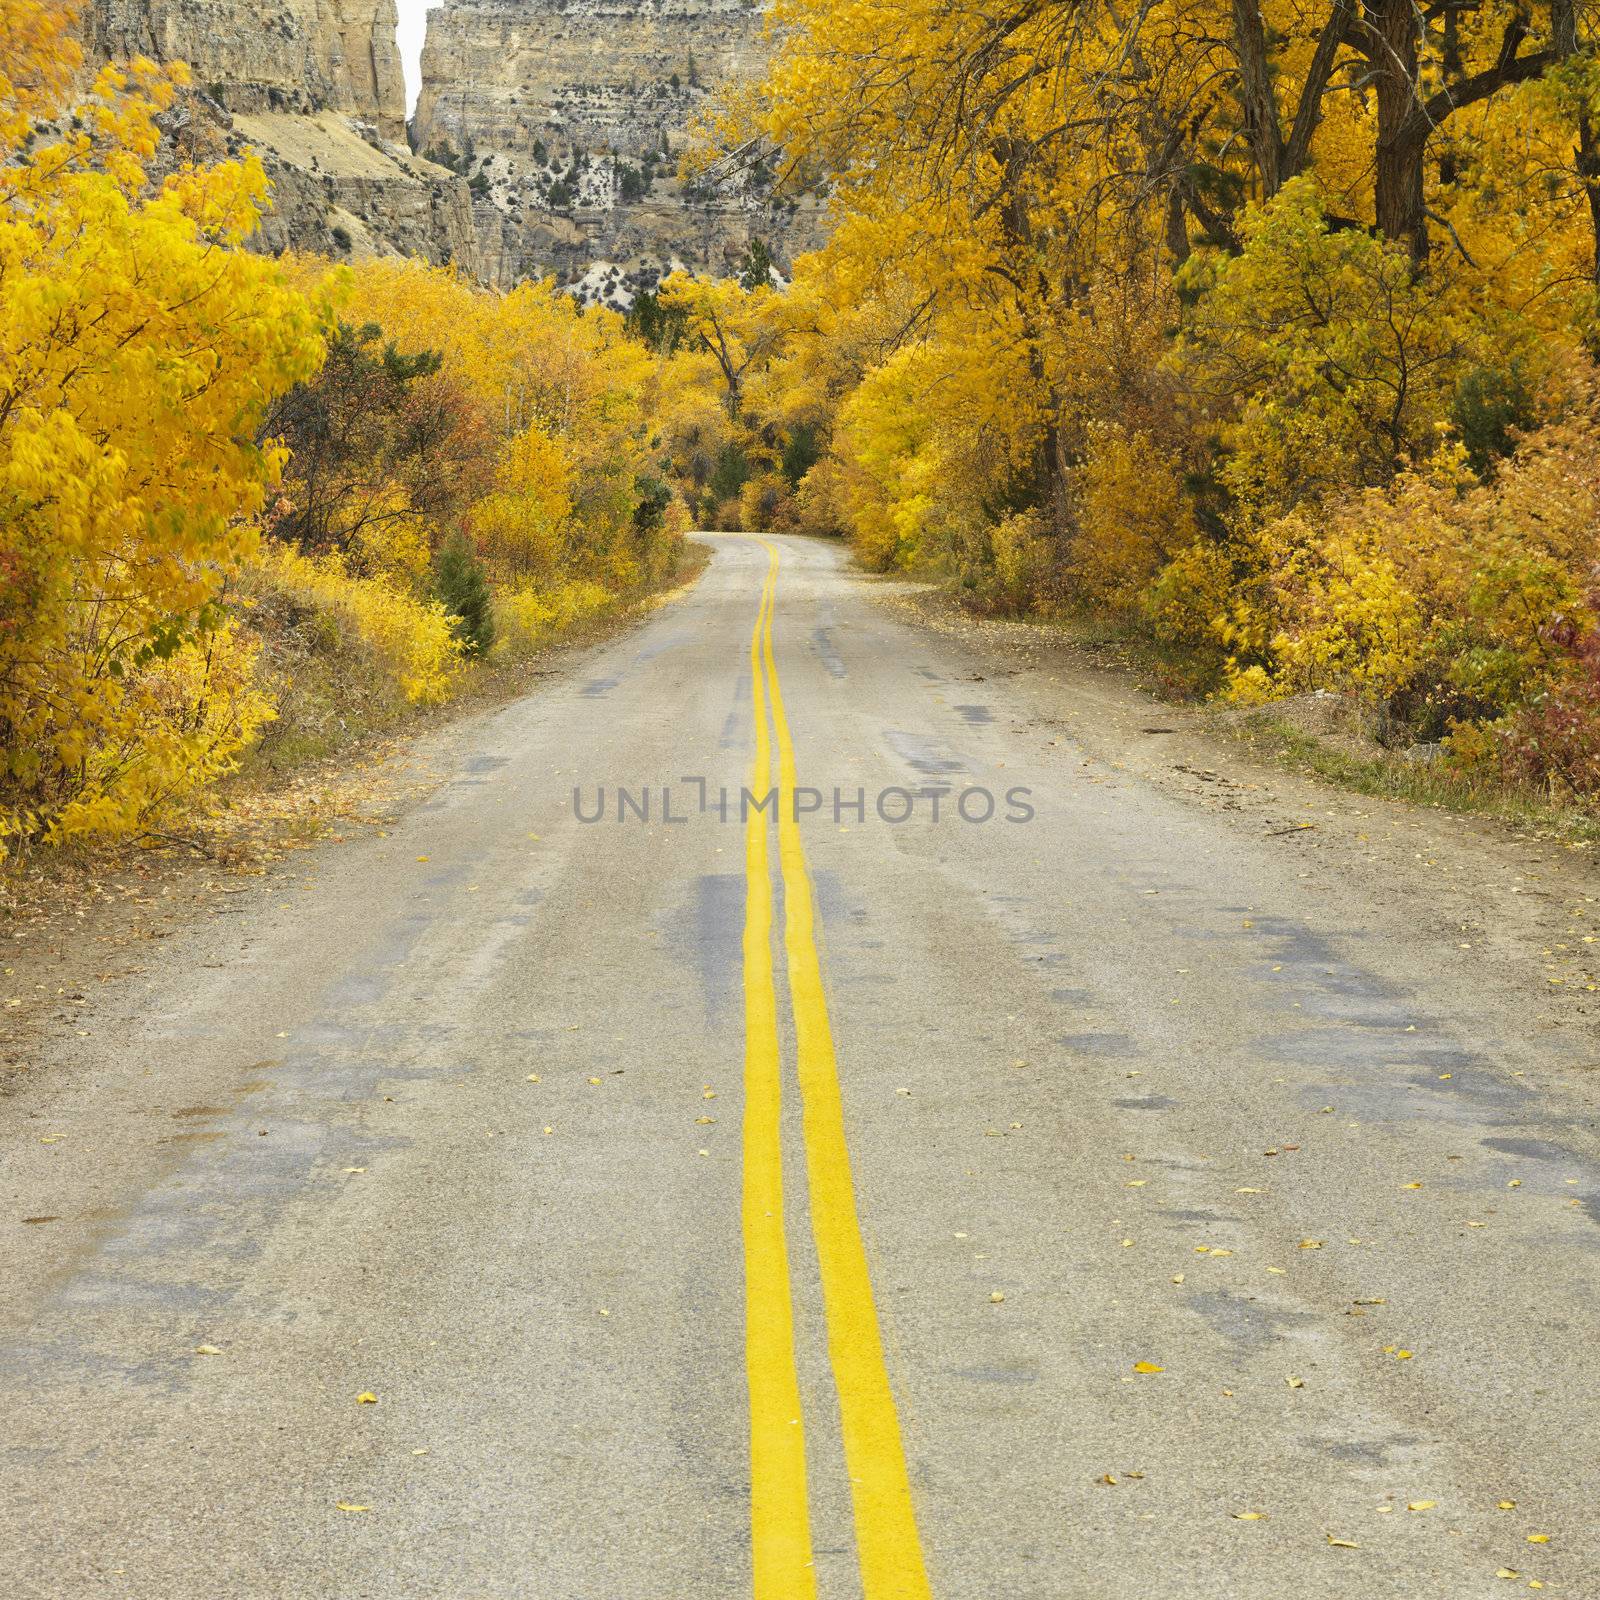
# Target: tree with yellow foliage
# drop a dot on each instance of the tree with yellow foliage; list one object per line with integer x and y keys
{"x": 1173, "y": 312}
{"x": 139, "y": 347}
{"x": 733, "y": 324}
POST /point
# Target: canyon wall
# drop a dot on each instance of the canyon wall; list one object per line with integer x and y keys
{"x": 270, "y": 55}
{"x": 546, "y": 138}
{"x": 315, "y": 88}
{"x": 568, "y": 117}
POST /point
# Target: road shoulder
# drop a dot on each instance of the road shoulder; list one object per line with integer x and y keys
{"x": 1523, "y": 906}
{"x": 76, "y": 923}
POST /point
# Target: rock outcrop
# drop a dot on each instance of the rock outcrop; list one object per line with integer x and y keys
{"x": 270, "y": 55}
{"x": 546, "y": 138}
{"x": 341, "y": 189}
{"x": 568, "y": 117}
{"x": 315, "y": 88}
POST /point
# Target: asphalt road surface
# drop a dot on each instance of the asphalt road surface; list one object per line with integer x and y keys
{"x": 1063, "y": 1198}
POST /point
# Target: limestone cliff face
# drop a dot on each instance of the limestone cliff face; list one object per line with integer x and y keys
{"x": 545, "y": 139}
{"x": 339, "y": 189}
{"x": 315, "y": 88}
{"x": 564, "y": 75}
{"x": 270, "y": 55}
{"x": 567, "y": 116}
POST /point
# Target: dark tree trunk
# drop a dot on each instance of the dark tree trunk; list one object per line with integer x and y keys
{"x": 1255, "y": 93}
{"x": 1451, "y": 61}
{"x": 1402, "y": 130}
{"x": 1589, "y": 171}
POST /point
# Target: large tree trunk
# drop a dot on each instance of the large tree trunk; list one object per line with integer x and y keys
{"x": 1589, "y": 172}
{"x": 1255, "y": 92}
{"x": 1402, "y": 130}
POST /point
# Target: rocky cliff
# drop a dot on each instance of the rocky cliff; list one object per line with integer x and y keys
{"x": 545, "y": 140}
{"x": 315, "y": 88}
{"x": 568, "y": 116}
{"x": 270, "y": 55}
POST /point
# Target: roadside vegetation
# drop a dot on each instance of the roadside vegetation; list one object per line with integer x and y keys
{"x": 251, "y": 509}
{"x": 1263, "y": 336}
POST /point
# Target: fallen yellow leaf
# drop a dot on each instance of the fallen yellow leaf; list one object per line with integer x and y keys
{"x": 1147, "y": 1366}
{"x": 345, "y": 1505}
{"x": 1421, "y": 1505}
{"x": 366, "y": 1398}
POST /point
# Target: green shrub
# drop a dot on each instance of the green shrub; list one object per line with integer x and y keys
{"x": 464, "y": 589}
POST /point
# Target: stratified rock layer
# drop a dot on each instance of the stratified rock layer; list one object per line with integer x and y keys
{"x": 270, "y": 55}
{"x": 315, "y": 88}
{"x": 568, "y": 117}
{"x": 546, "y": 138}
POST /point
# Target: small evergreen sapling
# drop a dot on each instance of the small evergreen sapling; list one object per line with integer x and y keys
{"x": 465, "y": 592}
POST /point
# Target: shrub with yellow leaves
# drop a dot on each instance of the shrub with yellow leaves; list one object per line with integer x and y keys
{"x": 527, "y": 616}
{"x": 412, "y": 638}
{"x": 1132, "y": 516}
{"x": 186, "y": 719}
{"x": 764, "y": 503}
{"x": 138, "y": 347}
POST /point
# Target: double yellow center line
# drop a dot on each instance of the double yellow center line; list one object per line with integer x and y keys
{"x": 888, "y": 1547}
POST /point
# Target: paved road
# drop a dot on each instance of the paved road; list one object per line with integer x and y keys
{"x": 1069, "y": 1206}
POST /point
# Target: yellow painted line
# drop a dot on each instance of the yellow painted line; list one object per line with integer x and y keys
{"x": 887, "y": 1542}
{"x": 780, "y": 1524}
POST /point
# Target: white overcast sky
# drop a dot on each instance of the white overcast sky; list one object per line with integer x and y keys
{"x": 412, "y": 26}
